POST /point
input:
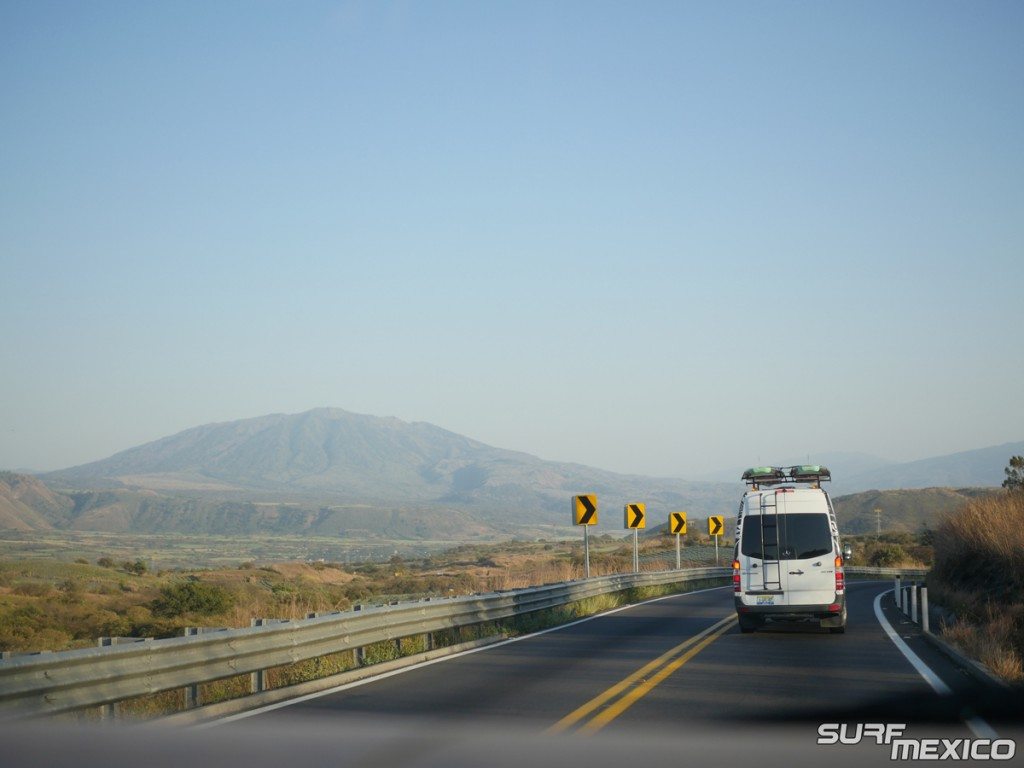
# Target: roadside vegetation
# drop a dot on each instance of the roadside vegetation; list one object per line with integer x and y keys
{"x": 979, "y": 575}
{"x": 52, "y": 605}
{"x": 892, "y": 549}
{"x": 48, "y": 604}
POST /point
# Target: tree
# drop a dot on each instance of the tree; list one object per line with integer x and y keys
{"x": 1015, "y": 474}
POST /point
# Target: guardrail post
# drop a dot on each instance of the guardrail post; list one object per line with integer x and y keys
{"x": 191, "y": 692}
{"x": 113, "y": 710}
{"x": 898, "y": 592}
{"x": 359, "y": 656}
{"x": 258, "y": 679}
{"x": 924, "y": 608}
{"x": 428, "y": 641}
{"x": 913, "y": 602}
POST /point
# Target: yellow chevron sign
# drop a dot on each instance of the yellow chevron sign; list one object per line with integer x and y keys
{"x": 716, "y": 525}
{"x": 677, "y": 523}
{"x": 584, "y": 509}
{"x": 636, "y": 515}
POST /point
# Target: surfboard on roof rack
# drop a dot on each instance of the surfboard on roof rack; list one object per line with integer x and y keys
{"x": 810, "y": 473}
{"x": 802, "y": 473}
{"x": 764, "y": 475}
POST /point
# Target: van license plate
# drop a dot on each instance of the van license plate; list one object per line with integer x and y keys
{"x": 766, "y": 600}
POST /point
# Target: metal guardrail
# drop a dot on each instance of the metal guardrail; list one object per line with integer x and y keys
{"x": 53, "y": 683}
{"x": 862, "y": 570}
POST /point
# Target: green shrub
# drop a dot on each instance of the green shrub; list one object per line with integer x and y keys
{"x": 192, "y": 597}
{"x": 888, "y": 555}
{"x": 138, "y": 567}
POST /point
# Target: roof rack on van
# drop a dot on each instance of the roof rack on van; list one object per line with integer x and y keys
{"x": 803, "y": 473}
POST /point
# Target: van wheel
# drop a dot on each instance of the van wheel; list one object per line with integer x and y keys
{"x": 747, "y": 624}
{"x": 841, "y": 629}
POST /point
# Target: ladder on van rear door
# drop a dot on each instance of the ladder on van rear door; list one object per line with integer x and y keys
{"x": 771, "y": 568}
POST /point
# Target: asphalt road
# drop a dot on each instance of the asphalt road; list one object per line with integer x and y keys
{"x": 649, "y": 666}
{"x": 666, "y": 683}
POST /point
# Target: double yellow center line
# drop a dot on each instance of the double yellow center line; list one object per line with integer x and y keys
{"x": 624, "y": 694}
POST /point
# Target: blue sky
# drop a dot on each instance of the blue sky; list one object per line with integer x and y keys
{"x": 660, "y": 238}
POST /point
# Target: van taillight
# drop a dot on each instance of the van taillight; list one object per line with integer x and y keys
{"x": 840, "y": 576}
{"x": 736, "y": 576}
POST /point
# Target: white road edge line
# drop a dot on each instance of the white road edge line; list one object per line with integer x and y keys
{"x": 978, "y": 726}
{"x": 357, "y": 683}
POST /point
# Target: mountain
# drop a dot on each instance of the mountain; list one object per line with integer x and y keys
{"x": 329, "y": 459}
{"x": 977, "y": 468}
{"x": 331, "y": 472}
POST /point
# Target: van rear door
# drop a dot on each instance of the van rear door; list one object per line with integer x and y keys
{"x": 759, "y": 545}
{"x": 807, "y": 550}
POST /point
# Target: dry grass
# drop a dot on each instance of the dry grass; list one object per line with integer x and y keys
{"x": 979, "y": 574}
{"x": 983, "y": 544}
{"x": 991, "y": 643}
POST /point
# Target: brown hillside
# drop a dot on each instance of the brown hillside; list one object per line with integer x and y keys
{"x": 28, "y": 505}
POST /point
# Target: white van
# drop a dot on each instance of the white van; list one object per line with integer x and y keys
{"x": 788, "y": 564}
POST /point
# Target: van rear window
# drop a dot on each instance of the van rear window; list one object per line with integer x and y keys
{"x": 786, "y": 536}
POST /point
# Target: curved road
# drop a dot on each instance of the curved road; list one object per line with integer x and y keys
{"x": 676, "y": 662}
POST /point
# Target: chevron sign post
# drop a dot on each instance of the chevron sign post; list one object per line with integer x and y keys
{"x": 716, "y": 526}
{"x": 636, "y": 518}
{"x": 584, "y": 513}
{"x": 677, "y": 525}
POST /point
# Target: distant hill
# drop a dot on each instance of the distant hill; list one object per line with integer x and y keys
{"x": 855, "y": 472}
{"x": 968, "y": 469}
{"x": 909, "y": 510}
{"x": 332, "y": 459}
{"x": 28, "y": 505}
{"x": 331, "y": 472}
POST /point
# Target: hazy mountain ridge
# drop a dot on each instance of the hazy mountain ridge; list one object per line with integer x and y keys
{"x": 854, "y": 472}
{"x": 331, "y": 472}
{"x": 321, "y": 450}
{"x": 979, "y": 468}
{"x": 335, "y": 457}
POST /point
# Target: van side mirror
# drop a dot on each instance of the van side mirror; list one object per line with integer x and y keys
{"x": 847, "y": 552}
